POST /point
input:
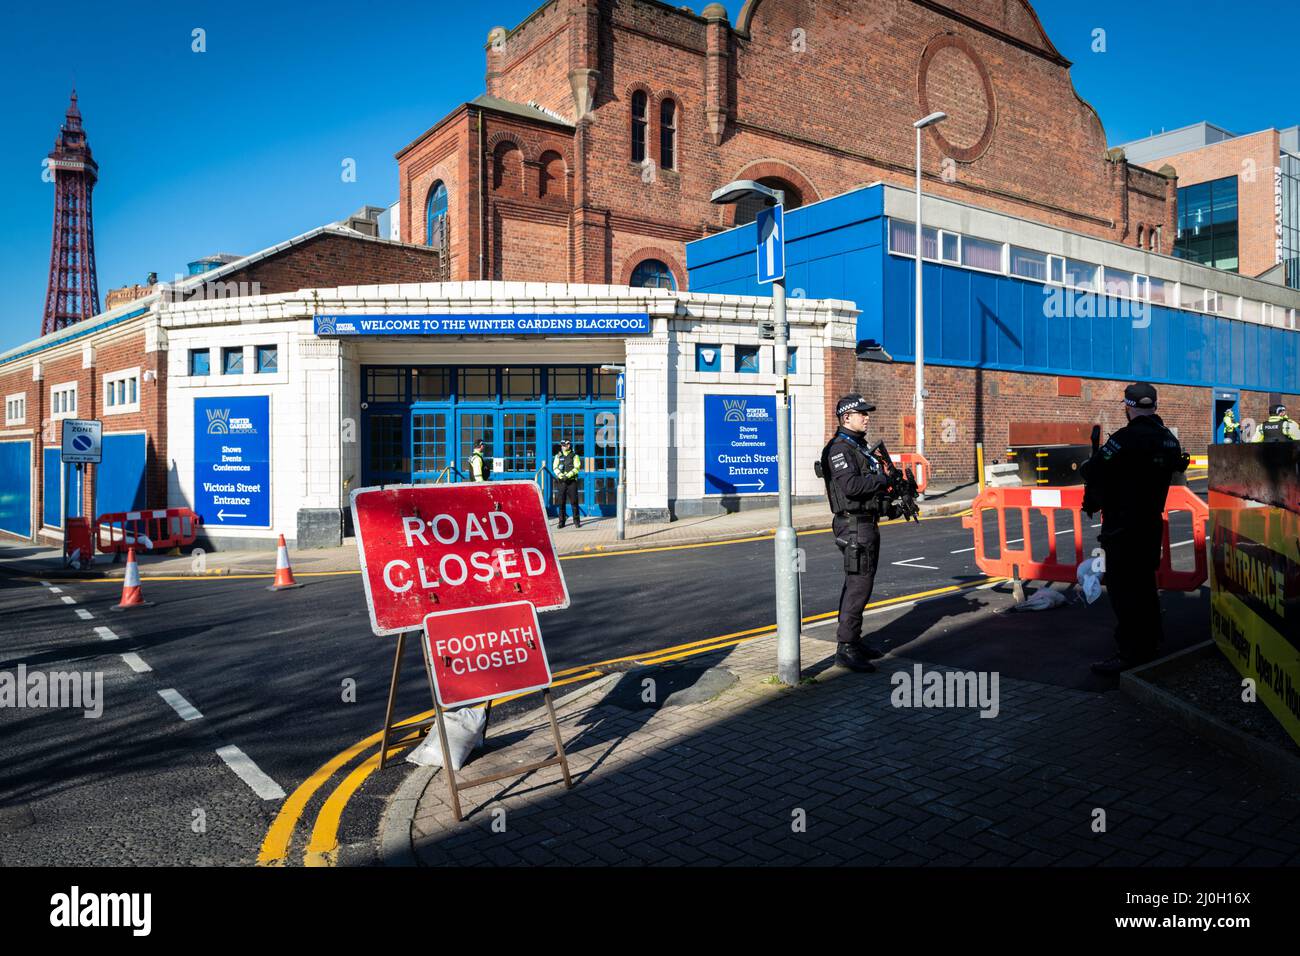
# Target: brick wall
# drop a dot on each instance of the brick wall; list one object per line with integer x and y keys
{"x": 115, "y": 349}
{"x": 766, "y": 98}
{"x": 970, "y": 405}
{"x": 1251, "y": 159}
{"x": 330, "y": 260}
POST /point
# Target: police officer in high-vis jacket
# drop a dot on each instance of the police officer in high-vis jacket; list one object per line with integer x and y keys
{"x": 567, "y": 469}
{"x": 855, "y": 486}
{"x": 1128, "y": 480}
{"x": 1231, "y": 428}
{"x": 479, "y": 467}
{"x": 1279, "y": 427}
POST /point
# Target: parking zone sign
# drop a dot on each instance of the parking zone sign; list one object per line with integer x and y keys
{"x": 82, "y": 441}
{"x": 432, "y": 548}
{"x": 484, "y": 652}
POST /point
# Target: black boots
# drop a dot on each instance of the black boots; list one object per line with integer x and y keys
{"x": 855, "y": 657}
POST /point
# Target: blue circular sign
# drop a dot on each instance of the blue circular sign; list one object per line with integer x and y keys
{"x": 82, "y": 443}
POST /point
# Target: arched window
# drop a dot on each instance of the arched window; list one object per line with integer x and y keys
{"x": 552, "y": 174}
{"x": 436, "y": 214}
{"x": 640, "y": 124}
{"x": 747, "y": 209}
{"x": 653, "y": 274}
{"x": 507, "y": 168}
{"x": 668, "y": 134}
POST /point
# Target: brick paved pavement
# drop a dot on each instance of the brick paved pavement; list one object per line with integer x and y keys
{"x": 723, "y": 781}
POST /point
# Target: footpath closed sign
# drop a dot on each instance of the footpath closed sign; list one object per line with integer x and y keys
{"x": 430, "y": 548}
{"x": 484, "y": 652}
{"x": 232, "y": 461}
{"x": 740, "y": 445}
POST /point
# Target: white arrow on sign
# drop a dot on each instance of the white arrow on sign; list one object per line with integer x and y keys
{"x": 753, "y": 484}
{"x": 222, "y": 516}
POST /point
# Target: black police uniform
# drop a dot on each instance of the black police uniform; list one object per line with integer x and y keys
{"x": 1128, "y": 478}
{"x": 855, "y": 483}
{"x": 566, "y": 489}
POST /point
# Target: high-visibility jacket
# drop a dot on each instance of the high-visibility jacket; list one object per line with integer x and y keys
{"x": 479, "y": 469}
{"x": 1277, "y": 428}
{"x": 1230, "y": 424}
{"x": 567, "y": 466}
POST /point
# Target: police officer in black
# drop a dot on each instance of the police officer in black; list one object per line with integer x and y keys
{"x": 1128, "y": 479}
{"x": 855, "y": 486}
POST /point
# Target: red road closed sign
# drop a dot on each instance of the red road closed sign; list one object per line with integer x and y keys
{"x": 484, "y": 652}
{"x": 429, "y": 548}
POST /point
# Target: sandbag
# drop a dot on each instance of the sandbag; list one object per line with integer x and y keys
{"x": 465, "y": 729}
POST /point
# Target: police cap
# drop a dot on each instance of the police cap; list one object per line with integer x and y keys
{"x": 1140, "y": 395}
{"x": 852, "y": 403}
{"x": 1279, "y": 409}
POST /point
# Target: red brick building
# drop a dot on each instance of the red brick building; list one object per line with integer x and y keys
{"x": 605, "y": 127}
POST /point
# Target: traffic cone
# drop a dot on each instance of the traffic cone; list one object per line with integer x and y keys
{"x": 283, "y": 572}
{"x": 132, "y": 596}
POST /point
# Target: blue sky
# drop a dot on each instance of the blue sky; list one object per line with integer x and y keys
{"x": 241, "y": 146}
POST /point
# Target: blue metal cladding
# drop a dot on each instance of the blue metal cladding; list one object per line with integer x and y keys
{"x": 837, "y": 249}
{"x": 120, "y": 483}
{"x": 16, "y": 487}
{"x": 52, "y": 492}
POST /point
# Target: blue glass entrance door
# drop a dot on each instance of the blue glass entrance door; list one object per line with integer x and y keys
{"x": 592, "y": 433}
{"x": 432, "y": 461}
{"x": 472, "y": 425}
{"x": 386, "y": 444}
{"x": 517, "y": 439}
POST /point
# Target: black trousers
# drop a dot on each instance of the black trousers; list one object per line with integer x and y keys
{"x": 856, "y": 591}
{"x": 566, "y": 492}
{"x": 1132, "y": 559}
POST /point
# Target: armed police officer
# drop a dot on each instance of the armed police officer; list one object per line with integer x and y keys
{"x": 856, "y": 485}
{"x": 1128, "y": 480}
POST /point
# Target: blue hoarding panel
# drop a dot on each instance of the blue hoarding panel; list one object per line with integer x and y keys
{"x": 72, "y": 490}
{"x": 740, "y": 444}
{"x": 232, "y": 461}
{"x": 16, "y": 487}
{"x": 52, "y": 488}
{"x": 120, "y": 485}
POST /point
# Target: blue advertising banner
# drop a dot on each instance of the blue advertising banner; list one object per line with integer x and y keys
{"x": 515, "y": 323}
{"x": 740, "y": 444}
{"x": 232, "y": 461}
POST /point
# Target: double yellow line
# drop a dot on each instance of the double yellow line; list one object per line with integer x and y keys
{"x": 322, "y": 845}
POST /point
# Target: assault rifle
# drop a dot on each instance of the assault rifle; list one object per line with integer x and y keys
{"x": 1090, "y": 504}
{"x": 902, "y": 484}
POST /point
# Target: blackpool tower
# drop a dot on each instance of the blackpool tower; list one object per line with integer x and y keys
{"x": 73, "y": 291}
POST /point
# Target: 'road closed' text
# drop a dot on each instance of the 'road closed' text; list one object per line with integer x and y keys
{"x": 454, "y": 568}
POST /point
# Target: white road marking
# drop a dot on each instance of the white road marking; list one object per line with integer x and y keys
{"x": 251, "y": 773}
{"x": 44, "y": 584}
{"x": 908, "y": 564}
{"x": 68, "y": 600}
{"x": 1097, "y": 525}
{"x": 1181, "y": 543}
{"x": 961, "y": 551}
{"x": 54, "y": 590}
{"x": 84, "y": 614}
{"x": 136, "y": 663}
{"x": 179, "y": 704}
{"x": 106, "y": 633}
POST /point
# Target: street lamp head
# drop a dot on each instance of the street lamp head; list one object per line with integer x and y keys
{"x": 611, "y": 368}
{"x": 930, "y": 120}
{"x": 745, "y": 189}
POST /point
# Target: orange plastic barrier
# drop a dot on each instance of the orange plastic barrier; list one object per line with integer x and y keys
{"x": 1016, "y": 559}
{"x": 160, "y": 528}
{"x": 920, "y": 466}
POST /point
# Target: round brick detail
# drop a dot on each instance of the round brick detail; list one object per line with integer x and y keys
{"x": 954, "y": 79}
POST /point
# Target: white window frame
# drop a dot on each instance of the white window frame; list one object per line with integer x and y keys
{"x": 63, "y": 388}
{"x": 19, "y": 398}
{"x": 1051, "y": 261}
{"x": 110, "y": 381}
{"x": 939, "y": 248}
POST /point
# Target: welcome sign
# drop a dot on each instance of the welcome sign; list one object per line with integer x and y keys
{"x": 513, "y": 323}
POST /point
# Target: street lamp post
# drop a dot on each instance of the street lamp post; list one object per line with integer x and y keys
{"x": 918, "y": 399}
{"x": 788, "y": 625}
{"x": 620, "y": 486}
